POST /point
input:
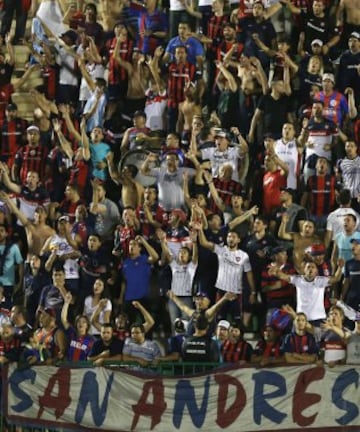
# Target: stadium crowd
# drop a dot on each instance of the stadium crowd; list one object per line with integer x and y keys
{"x": 191, "y": 171}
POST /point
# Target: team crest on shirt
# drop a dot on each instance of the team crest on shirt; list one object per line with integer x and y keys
{"x": 305, "y": 348}
{"x": 237, "y": 259}
{"x": 333, "y": 103}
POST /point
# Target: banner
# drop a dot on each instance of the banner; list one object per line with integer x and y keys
{"x": 242, "y": 399}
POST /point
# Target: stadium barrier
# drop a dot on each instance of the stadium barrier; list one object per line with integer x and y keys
{"x": 124, "y": 397}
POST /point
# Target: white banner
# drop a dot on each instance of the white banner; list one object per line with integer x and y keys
{"x": 244, "y": 399}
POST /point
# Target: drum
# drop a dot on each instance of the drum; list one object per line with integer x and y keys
{"x": 137, "y": 157}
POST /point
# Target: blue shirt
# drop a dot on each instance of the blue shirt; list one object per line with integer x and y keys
{"x": 12, "y": 258}
{"x": 137, "y": 272}
{"x": 98, "y": 154}
{"x": 193, "y": 47}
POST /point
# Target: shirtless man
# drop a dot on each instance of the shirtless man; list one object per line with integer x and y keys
{"x": 111, "y": 13}
{"x": 36, "y": 232}
{"x": 131, "y": 191}
{"x": 138, "y": 74}
{"x": 252, "y": 76}
{"x": 301, "y": 240}
{"x": 348, "y": 17}
{"x": 189, "y": 108}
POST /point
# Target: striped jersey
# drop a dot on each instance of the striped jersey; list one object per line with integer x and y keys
{"x": 350, "y": 172}
{"x": 182, "y": 278}
{"x": 232, "y": 265}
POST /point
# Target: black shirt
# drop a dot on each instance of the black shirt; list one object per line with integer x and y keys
{"x": 200, "y": 349}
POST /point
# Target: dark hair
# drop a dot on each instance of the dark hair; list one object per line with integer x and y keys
{"x": 201, "y": 323}
{"x": 58, "y": 267}
{"x": 98, "y": 236}
{"x": 91, "y": 6}
{"x": 352, "y": 216}
{"x": 263, "y": 219}
{"x": 78, "y": 317}
{"x": 133, "y": 169}
{"x": 138, "y": 325}
{"x": 153, "y": 187}
{"x": 344, "y": 197}
{"x": 175, "y": 134}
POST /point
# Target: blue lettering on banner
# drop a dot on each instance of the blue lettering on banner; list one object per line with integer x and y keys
{"x": 185, "y": 396}
{"x": 15, "y": 380}
{"x": 261, "y": 406}
{"x": 89, "y": 394}
{"x": 343, "y": 381}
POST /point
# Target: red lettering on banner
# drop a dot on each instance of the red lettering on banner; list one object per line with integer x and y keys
{"x": 302, "y": 399}
{"x": 226, "y": 417}
{"x": 155, "y": 409}
{"x": 62, "y": 400}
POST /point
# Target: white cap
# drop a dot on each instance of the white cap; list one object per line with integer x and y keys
{"x": 317, "y": 42}
{"x": 329, "y": 76}
{"x": 224, "y": 323}
{"x": 33, "y": 128}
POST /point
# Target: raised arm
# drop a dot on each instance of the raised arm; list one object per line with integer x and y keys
{"x": 148, "y": 319}
{"x": 212, "y": 311}
{"x": 14, "y": 210}
{"x": 65, "y": 111}
{"x": 283, "y": 234}
{"x": 65, "y": 311}
{"x": 5, "y": 178}
{"x": 153, "y": 255}
{"x": 84, "y": 72}
{"x": 85, "y": 140}
{"x": 145, "y": 169}
{"x": 126, "y": 65}
{"x": 204, "y": 242}
{"x": 183, "y": 307}
{"x": 64, "y": 143}
{"x": 166, "y": 256}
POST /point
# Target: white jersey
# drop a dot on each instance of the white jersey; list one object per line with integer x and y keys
{"x": 289, "y": 154}
{"x": 71, "y": 266}
{"x": 335, "y": 220}
{"x": 232, "y": 265}
{"x": 353, "y": 349}
{"x": 89, "y": 310}
{"x": 182, "y": 278}
{"x": 219, "y": 158}
{"x": 350, "y": 172}
{"x": 310, "y": 296}
{"x": 176, "y": 5}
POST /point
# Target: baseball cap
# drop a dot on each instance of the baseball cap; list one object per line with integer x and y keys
{"x": 12, "y": 107}
{"x": 33, "y": 128}
{"x": 355, "y": 240}
{"x": 180, "y": 213}
{"x": 328, "y": 76}
{"x": 202, "y": 294}
{"x": 139, "y": 113}
{"x": 292, "y": 192}
{"x": 180, "y": 325}
{"x": 317, "y": 42}
{"x": 278, "y": 249}
{"x": 316, "y": 249}
{"x": 223, "y": 134}
{"x": 355, "y": 35}
{"x": 224, "y": 323}
{"x": 50, "y": 311}
{"x": 63, "y": 219}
